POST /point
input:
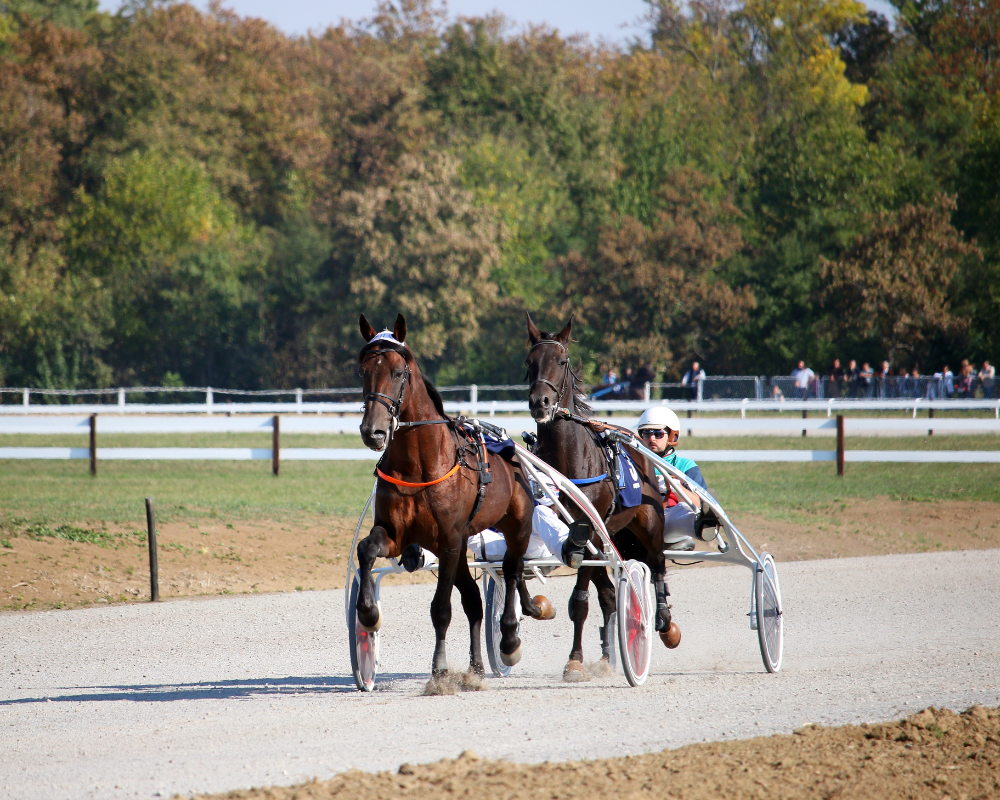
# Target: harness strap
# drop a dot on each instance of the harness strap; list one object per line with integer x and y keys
{"x": 588, "y": 481}
{"x": 399, "y": 482}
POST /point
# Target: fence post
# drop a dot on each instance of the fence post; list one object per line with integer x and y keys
{"x": 26, "y": 397}
{"x": 930, "y": 415}
{"x": 840, "y": 445}
{"x": 276, "y": 445}
{"x": 209, "y": 400}
{"x": 121, "y": 398}
{"x": 154, "y": 569}
{"x": 298, "y": 401}
{"x": 758, "y": 389}
{"x": 93, "y": 444}
{"x": 646, "y": 393}
{"x": 805, "y": 414}
{"x": 474, "y": 399}
{"x": 743, "y": 408}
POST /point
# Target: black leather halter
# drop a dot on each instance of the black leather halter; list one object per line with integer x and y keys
{"x": 393, "y": 405}
{"x": 567, "y": 377}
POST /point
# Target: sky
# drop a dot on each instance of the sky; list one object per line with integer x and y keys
{"x": 616, "y": 21}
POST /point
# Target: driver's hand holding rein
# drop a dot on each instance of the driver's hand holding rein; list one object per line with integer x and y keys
{"x": 659, "y": 429}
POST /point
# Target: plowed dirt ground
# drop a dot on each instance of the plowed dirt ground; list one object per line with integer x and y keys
{"x": 933, "y": 754}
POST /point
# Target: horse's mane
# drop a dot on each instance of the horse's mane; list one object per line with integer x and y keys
{"x": 579, "y": 389}
{"x": 407, "y": 354}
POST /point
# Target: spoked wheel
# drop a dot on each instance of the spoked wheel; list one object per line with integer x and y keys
{"x": 635, "y": 621}
{"x": 496, "y": 599}
{"x": 364, "y": 645}
{"x": 767, "y": 596}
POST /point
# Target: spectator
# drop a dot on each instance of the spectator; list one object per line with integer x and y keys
{"x": 915, "y": 381}
{"x": 693, "y": 380}
{"x": 966, "y": 379}
{"x": 948, "y": 380}
{"x": 610, "y": 377}
{"x": 987, "y": 377}
{"x": 865, "y": 378}
{"x": 851, "y": 376}
{"x": 644, "y": 375}
{"x": 883, "y": 379}
{"x": 803, "y": 376}
{"x": 903, "y": 388}
{"x": 836, "y": 379}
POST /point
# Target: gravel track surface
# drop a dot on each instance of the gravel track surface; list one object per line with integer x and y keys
{"x": 215, "y": 694}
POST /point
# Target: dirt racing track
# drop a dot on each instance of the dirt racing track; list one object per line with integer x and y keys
{"x": 218, "y": 694}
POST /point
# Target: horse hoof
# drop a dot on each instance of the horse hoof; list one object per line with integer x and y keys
{"x": 545, "y": 608}
{"x": 510, "y": 659}
{"x": 574, "y": 672}
{"x": 671, "y": 637}
{"x": 372, "y": 628}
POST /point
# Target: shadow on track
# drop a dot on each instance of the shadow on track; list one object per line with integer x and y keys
{"x": 212, "y": 690}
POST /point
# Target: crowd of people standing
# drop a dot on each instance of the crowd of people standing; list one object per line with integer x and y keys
{"x": 881, "y": 383}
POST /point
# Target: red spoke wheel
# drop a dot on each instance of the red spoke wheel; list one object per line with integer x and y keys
{"x": 635, "y": 621}
{"x": 364, "y": 645}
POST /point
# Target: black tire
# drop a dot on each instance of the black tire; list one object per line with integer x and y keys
{"x": 364, "y": 645}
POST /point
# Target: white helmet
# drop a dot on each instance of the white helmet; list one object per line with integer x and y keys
{"x": 659, "y": 417}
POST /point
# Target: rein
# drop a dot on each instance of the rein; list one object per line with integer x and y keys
{"x": 398, "y": 482}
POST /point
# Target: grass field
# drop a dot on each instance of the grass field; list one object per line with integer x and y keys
{"x": 64, "y": 492}
{"x": 69, "y": 539}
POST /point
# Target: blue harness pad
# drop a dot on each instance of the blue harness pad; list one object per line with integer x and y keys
{"x": 629, "y": 482}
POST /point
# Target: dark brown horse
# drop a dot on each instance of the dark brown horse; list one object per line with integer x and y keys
{"x": 571, "y": 446}
{"x": 429, "y": 481}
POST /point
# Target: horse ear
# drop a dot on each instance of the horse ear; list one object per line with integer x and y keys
{"x": 533, "y": 333}
{"x": 366, "y": 328}
{"x": 399, "y": 329}
{"x": 563, "y": 336}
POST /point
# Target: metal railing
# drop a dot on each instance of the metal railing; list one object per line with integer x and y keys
{"x": 716, "y": 393}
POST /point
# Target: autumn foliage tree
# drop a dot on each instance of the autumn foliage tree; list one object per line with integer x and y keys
{"x": 893, "y": 284}
{"x": 654, "y": 294}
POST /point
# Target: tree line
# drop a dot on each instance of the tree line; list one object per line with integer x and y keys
{"x": 195, "y": 198}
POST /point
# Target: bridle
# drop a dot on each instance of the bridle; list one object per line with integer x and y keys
{"x": 567, "y": 377}
{"x": 393, "y": 405}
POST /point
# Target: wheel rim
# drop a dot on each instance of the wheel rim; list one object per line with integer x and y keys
{"x": 366, "y": 654}
{"x": 496, "y": 600}
{"x": 767, "y": 592}
{"x": 637, "y": 641}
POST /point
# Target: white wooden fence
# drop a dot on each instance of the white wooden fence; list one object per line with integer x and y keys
{"x": 815, "y": 426}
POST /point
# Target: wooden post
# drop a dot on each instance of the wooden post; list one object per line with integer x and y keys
{"x": 840, "y": 445}
{"x": 276, "y": 445}
{"x": 805, "y": 413}
{"x": 689, "y": 417}
{"x": 154, "y": 569}
{"x": 930, "y": 415}
{"x": 93, "y": 444}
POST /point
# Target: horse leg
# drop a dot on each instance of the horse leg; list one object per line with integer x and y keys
{"x": 472, "y": 603}
{"x": 441, "y": 609}
{"x": 375, "y": 545}
{"x": 510, "y": 643}
{"x": 528, "y": 606}
{"x": 606, "y": 598}
{"x": 579, "y": 602}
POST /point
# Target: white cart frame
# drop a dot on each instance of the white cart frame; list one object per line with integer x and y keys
{"x": 733, "y": 548}
{"x": 635, "y": 604}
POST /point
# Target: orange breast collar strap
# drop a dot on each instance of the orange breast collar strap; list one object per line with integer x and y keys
{"x": 399, "y": 482}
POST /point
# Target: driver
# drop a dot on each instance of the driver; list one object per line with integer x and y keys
{"x": 660, "y": 430}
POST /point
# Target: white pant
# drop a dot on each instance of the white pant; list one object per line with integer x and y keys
{"x": 548, "y": 533}
{"x": 678, "y": 523}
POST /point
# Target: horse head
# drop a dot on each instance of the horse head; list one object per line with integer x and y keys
{"x": 384, "y": 367}
{"x": 550, "y": 373}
